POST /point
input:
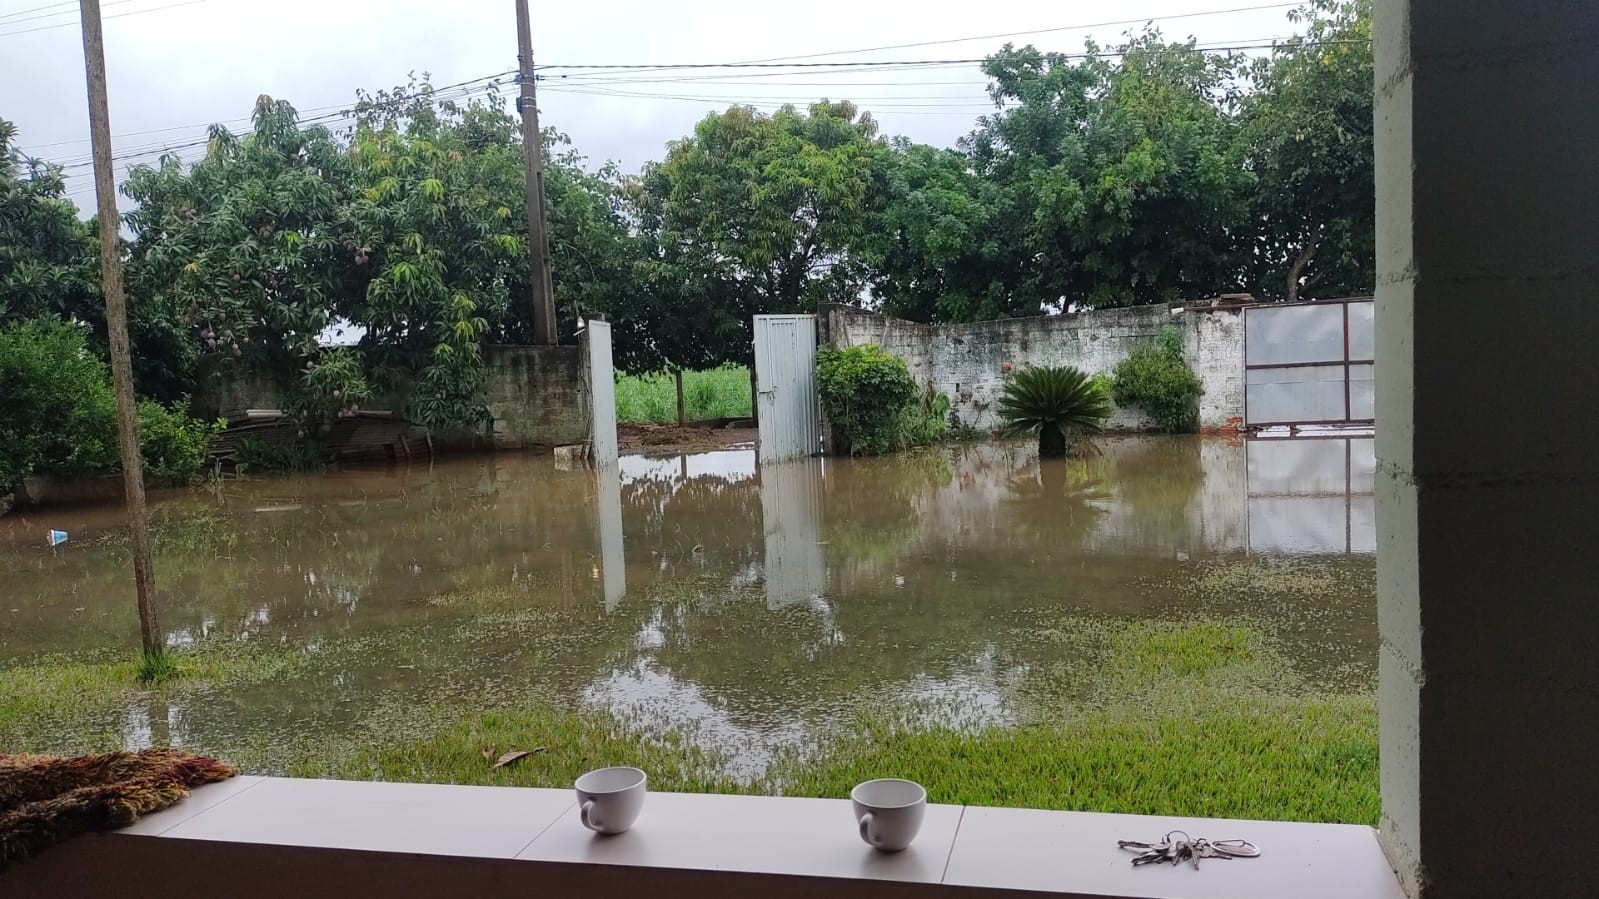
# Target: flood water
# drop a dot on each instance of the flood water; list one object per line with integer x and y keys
{"x": 752, "y": 605}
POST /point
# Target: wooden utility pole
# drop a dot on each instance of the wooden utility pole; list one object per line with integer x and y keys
{"x": 538, "y": 238}
{"x": 116, "y": 319}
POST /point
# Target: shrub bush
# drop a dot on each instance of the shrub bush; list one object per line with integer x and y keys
{"x": 174, "y": 444}
{"x": 1060, "y": 405}
{"x": 1156, "y": 379}
{"x": 58, "y": 413}
{"x": 872, "y": 402}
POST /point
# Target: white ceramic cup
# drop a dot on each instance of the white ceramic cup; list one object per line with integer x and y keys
{"x": 609, "y": 799}
{"x": 889, "y": 812}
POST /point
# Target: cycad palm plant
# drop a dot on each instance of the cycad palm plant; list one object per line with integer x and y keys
{"x": 1060, "y": 405}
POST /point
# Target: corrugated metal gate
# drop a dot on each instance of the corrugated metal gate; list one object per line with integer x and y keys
{"x": 785, "y": 384}
{"x": 602, "y": 395}
{"x": 1309, "y": 363}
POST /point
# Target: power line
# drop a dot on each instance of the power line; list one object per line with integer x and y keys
{"x": 769, "y": 100}
{"x": 23, "y": 12}
{"x": 599, "y": 69}
{"x": 595, "y": 75}
{"x": 445, "y": 94}
{"x": 136, "y": 12}
{"x": 10, "y": 19}
{"x": 1007, "y": 34}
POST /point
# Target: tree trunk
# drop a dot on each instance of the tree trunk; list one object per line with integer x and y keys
{"x": 677, "y": 375}
{"x": 755, "y": 407}
{"x": 1296, "y": 270}
{"x": 1051, "y": 442}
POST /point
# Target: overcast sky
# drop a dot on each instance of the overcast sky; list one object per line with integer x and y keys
{"x": 173, "y": 63}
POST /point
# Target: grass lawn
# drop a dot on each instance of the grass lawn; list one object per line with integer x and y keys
{"x": 652, "y": 399}
{"x": 1200, "y": 718}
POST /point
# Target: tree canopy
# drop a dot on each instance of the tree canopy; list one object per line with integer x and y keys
{"x": 1151, "y": 172}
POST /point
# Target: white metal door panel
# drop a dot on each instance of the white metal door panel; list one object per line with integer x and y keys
{"x": 602, "y": 397}
{"x": 1309, "y": 363}
{"x": 785, "y": 386}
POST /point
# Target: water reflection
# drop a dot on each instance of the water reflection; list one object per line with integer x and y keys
{"x": 752, "y": 603}
{"x": 1312, "y": 495}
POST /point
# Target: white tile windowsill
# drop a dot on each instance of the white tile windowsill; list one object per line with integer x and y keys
{"x": 281, "y": 836}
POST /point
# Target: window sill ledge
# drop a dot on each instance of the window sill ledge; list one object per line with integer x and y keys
{"x": 255, "y": 836}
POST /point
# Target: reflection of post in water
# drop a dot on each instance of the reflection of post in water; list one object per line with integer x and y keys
{"x": 613, "y": 562}
{"x": 791, "y": 511}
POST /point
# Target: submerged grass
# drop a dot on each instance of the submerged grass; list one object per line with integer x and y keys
{"x": 1201, "y": 717}
{"x": 652, "y": 399}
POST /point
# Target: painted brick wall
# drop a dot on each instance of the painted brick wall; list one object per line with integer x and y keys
{"x": 966, "y": 361}
{"x": 536, "y": 395}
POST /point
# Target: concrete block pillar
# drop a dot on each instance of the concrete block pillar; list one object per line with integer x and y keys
{"x": 1488, "y": 443}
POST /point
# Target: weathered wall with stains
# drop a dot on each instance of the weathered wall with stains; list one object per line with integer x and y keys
{"x": 536, "y": 396}
{"x": 966, "y": 361}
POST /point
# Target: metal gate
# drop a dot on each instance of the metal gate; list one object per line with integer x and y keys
{"x": 602, "y": 396}
{"x": 785, "y": 386}
{"x": 1309, "y": 363}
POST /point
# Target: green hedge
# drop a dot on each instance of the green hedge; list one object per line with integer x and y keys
{"x": 58, "y": 413}
{"x": 872, "y": 403}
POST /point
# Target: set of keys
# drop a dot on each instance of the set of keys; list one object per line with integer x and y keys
{"x": 1177, "y": 847}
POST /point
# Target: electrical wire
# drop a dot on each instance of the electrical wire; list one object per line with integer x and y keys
{"x": 344, "y": 112}
{"x": 124, "y": 15}
{"x": 10, "y": 19}
{"x": 1009, "y": 34}
{"x": 596, "y": 69}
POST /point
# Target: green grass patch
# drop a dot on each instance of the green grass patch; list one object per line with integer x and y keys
{"x": 652, "y": 399}
{"x": 560, "y": 746}
{"x": 155, "y": 667}
{"x": 1311, "y": 761}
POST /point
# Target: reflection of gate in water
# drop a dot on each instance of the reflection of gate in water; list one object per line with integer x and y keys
{"x": 1312, "y": 495}
{"x": 791, "y": 512}
{"x": 1309, "y": 363}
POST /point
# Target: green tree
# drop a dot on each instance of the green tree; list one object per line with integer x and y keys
{"x": 251, "y": 243}
{"x": 1308, "y": 132}
{"x": 1127, "y": 174}
{"x": 47, "y": 256}
{"x": 945, "y": 244}
{"x": 437, "y": 247}
{"x": 755, "y": 213}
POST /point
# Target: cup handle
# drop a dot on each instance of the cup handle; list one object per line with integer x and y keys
{"x": 866, "y": 829}
{"x": 586, "y": 813}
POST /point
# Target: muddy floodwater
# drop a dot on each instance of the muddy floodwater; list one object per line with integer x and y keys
{"x": 751, "y": 605}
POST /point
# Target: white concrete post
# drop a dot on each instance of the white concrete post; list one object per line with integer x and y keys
{"x": 1488, "y": 443}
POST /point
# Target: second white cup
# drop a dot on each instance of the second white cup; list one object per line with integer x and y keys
{"x": 889, "y": 812}
{"x": 609, "y": 799}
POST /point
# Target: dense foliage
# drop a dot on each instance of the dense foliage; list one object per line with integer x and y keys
{"x": 55, "y": 403}
{"x": 1155, "y": 378}
{"x": 1151, "y": 172}
{"x": 872, "y": 404}
{"x": 1059, "y": 405}
{"x": 58, "y": 413}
